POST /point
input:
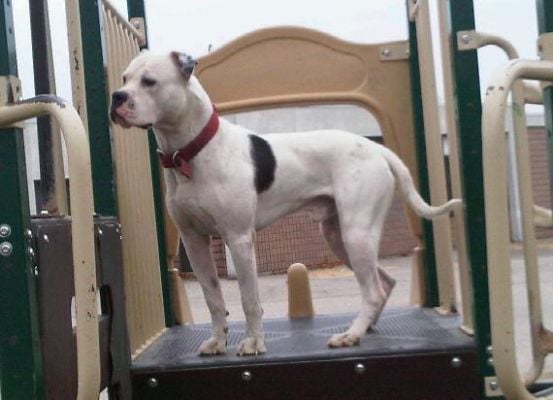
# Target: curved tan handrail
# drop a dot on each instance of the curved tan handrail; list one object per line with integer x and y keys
{"x": 525, "y": 193}
{"x": 82, "y": 228}
{"x": 497, "y": 221}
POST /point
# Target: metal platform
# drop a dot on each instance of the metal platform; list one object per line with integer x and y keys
{"x": 409, "y": 354}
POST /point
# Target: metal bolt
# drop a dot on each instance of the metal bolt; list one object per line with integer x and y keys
{"x": 386, "y": 52}
{"x": 360, "y": 368}
{"x": 46, "y": 238}
{"x": 35, "y": 270}
{"x": 6, "y": 249}
{"x": 490, "y": 362}
{"x": 489, "y": 349}
{"x": 247, "y": 376}
{"x": 100, "y": 232}
{"x": 152, "y": 383}
{"x": 494, "y": 385}
{"x": 465, "y": 38}
{"x": 5, "y": 230}
{"x": 456, "y": 362}
{"x": 31, "y": 253}
{"x": 29, "y": 234}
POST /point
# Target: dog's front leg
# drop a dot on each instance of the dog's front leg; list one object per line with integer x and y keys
{"x": 243, "y": 255}
{"x": 198, "y": 252}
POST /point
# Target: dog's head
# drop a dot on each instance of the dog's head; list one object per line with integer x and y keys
{"x": 154, "y": 90}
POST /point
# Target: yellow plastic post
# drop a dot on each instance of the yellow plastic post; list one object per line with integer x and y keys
{"x": 300, "y": 304}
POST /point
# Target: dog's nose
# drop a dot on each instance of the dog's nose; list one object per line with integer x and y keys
{"x": 119, "y": 98}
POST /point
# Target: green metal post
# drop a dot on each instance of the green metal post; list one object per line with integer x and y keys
{"x": 136, "y": 10}
{"x": 469, "y": 112}
{"x": 97, "y": 107}
{"x": 432, "y": 296}
{"x": 20, "y": 357}
{"x": 544, "y": 11}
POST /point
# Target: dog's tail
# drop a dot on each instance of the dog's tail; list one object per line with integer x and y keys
{"x": 410, "y": 193}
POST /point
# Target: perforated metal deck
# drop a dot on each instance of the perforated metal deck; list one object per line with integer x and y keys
{"x": 399, "y": 331}
{"x": 408, "y": 355}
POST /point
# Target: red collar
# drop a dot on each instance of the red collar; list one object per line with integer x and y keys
{"x": 181, "y": 158}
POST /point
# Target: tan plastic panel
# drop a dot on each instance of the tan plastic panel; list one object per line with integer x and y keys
{"x": 135, "y": 200}
{"x": 286, "y": 66}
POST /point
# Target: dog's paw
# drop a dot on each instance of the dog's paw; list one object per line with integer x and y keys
{"x": 343, "y": 340}
{"x": 212, "y": 347}
{"x": 251, "y": 346}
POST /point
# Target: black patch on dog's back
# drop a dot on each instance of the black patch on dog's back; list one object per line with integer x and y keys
{"x": 264, "y": 163}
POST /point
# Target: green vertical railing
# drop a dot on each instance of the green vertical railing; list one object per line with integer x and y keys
{"x": 469, "y": 112}
{"x": 97, "y": 108}
{"x": 431, "y": 295}
{"x": 20, "y": 357}
{"x": 544, "y": 9}
{"x": 136, "y": 10}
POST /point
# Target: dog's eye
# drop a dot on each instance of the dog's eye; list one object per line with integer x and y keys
{"x": 149, "y": 82}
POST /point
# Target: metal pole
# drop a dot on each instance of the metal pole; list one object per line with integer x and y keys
{"x": 53, "y": 197}
{"x": 20, "y": 356}
{"x": 431, "y": 292}
{"x": 469, "y": 113}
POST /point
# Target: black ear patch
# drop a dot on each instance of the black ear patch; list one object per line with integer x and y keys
{"x": 264, "y": 163}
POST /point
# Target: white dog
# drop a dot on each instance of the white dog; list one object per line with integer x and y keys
{"x": 225, "y": 180}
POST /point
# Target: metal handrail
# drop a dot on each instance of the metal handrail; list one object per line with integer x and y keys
{"x": 497, "y": 223}
{"x": 474, "y": 40}
{"x": 82, "y": 228}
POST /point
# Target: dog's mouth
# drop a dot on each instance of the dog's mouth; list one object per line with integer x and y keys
{"x": 119, "y": 115}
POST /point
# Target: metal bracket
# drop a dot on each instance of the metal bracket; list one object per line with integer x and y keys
{"x": 545, "y": 52}
{"x": 10, "y": 89}
{"x": 10, "y": 92}
{"x": 413, "y": 9}
{"x": 545, "y": 46}
{"x": 492, "y": 387}
{"x": 466, "y": 40}
{"x": 394, "y": 51}
{"x": 140, "y": 25}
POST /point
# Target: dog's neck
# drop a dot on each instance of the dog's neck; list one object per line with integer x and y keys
{"x": 174, "y": 135}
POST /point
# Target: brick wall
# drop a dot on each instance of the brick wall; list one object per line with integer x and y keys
{"x": 540, "y": 173}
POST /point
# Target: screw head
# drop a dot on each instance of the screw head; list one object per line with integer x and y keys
{"x": 100, "y": 232}
{"x": 359, "y": 368}
{"x": 31, "y": 253}
{"x": 152, "y": 383}
{"x": 489, "y": 349}
{"x": 386, "y": 52}
{"x": 491, "y": 362}
{"x": 6, "y": 249}
{"x": 465, "y": 38}
{"x": 456, "y": 362}
{"x": 494, "y": 385}
{"x": 247, "y": 376}
{"x": 46, "y": 238}
{"x": 28, "y": 234}
{"x": 5, "y": 230}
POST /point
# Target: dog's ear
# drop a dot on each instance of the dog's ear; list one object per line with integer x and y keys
{"x": 184, "y": 62}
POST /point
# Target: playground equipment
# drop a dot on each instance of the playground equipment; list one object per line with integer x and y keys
{"x": 132, "y": 346}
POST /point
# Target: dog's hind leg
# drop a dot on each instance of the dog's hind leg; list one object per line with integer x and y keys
{"x": 330, "y": 228}
{"x": 243, "y": 254}
{"x": 201, "y": 260}
{"x": 356, "y": 236}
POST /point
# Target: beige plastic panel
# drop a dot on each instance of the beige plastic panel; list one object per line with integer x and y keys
{"x": 135, "y": 200}
{"x": 284, "y": 66}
